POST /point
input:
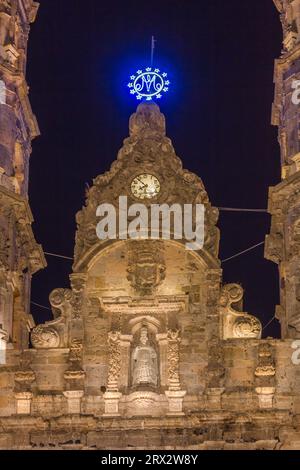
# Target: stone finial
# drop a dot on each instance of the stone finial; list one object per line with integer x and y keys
{"x": 237, "y": 324}
{"x": 148, "y": 121}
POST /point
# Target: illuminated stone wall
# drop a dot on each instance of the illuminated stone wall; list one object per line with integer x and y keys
{"x": 147, "y": 348}
{"x": 282, "y": 245}
{"x": 20, "y": 256}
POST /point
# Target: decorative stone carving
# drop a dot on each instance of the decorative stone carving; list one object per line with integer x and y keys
{"x": 146, "y": 145}
{"x": 74, "y": 375}
{"x": 23, "y": 400}
{"x": 43, "y": 337}
{"x": 114, "y": 361}
{"x": 25, "y": 377}
{"x": 173, "y": 359}
{"x": 237, "y": 324}
{"x": 142, "y": 402}
{"x": 58, "y": 298}
{"x": 3, "y": 335}
{"x": 4, "y": 249}
{"x": 27, "y": 254}
{"x": 147, "y": 122}
{"x": 78, "y": 286}
{"x": 76, "y": 350}
{"x": 247, "y": 327}
{"x": 146, "y": 269}
{"x": 265, "y": 367}
{"x": 5, "y": 24}
{"x": 144, "y": 367}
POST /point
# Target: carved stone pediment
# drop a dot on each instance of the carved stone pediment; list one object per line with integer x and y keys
{"x": 147, "y": 150}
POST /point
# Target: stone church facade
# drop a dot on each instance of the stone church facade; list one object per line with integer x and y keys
{"x": 147, "y": 349}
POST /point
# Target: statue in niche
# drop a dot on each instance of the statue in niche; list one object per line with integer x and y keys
{"x": 144, "y": 367}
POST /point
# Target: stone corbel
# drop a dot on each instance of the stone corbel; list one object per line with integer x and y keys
{"x": 174, "y": 394}
{"x": 235, "y": 324}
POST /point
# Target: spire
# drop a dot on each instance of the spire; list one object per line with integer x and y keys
{"x": 147, "y": 122}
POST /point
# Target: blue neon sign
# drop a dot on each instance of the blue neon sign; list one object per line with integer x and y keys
{"x": 149, "y": 84}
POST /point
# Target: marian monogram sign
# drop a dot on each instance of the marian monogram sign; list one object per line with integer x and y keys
{"x": 149, "y": 84}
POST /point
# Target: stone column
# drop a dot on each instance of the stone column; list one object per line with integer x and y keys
{"x": 112, "y": 395}
{"x": 125, "y": 343}
{"x": 162, "y": 341}
{"x": 77, "y": 302}
{"x": 174, "y": 395}
{"x": 214, "y": 333}
{"x": 74, "y": 378}
{"x": 265, "y": 373}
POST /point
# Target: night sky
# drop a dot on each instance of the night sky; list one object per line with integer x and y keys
{"x": 220, "y": 57}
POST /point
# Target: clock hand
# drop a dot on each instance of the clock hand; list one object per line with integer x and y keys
{"x": 145, "y": 185}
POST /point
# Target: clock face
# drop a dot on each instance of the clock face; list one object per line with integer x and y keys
{"x": 145, "y": 186}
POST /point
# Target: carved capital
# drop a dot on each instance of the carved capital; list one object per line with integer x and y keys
{"x": 265, "y": 367}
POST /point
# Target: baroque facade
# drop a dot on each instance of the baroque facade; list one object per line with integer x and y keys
{"x": 147, "y": 349}
{"x": 20, "y": 256}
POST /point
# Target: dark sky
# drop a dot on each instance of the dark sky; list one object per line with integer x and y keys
{"x": 220, "y": 56}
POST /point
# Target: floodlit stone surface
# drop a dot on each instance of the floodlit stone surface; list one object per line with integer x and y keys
{"x": 147, "y": 348}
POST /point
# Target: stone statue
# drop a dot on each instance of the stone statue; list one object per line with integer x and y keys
{"x": 144, "y": 362}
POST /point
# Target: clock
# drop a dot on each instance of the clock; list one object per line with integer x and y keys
{"x": 145, "y": 186}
